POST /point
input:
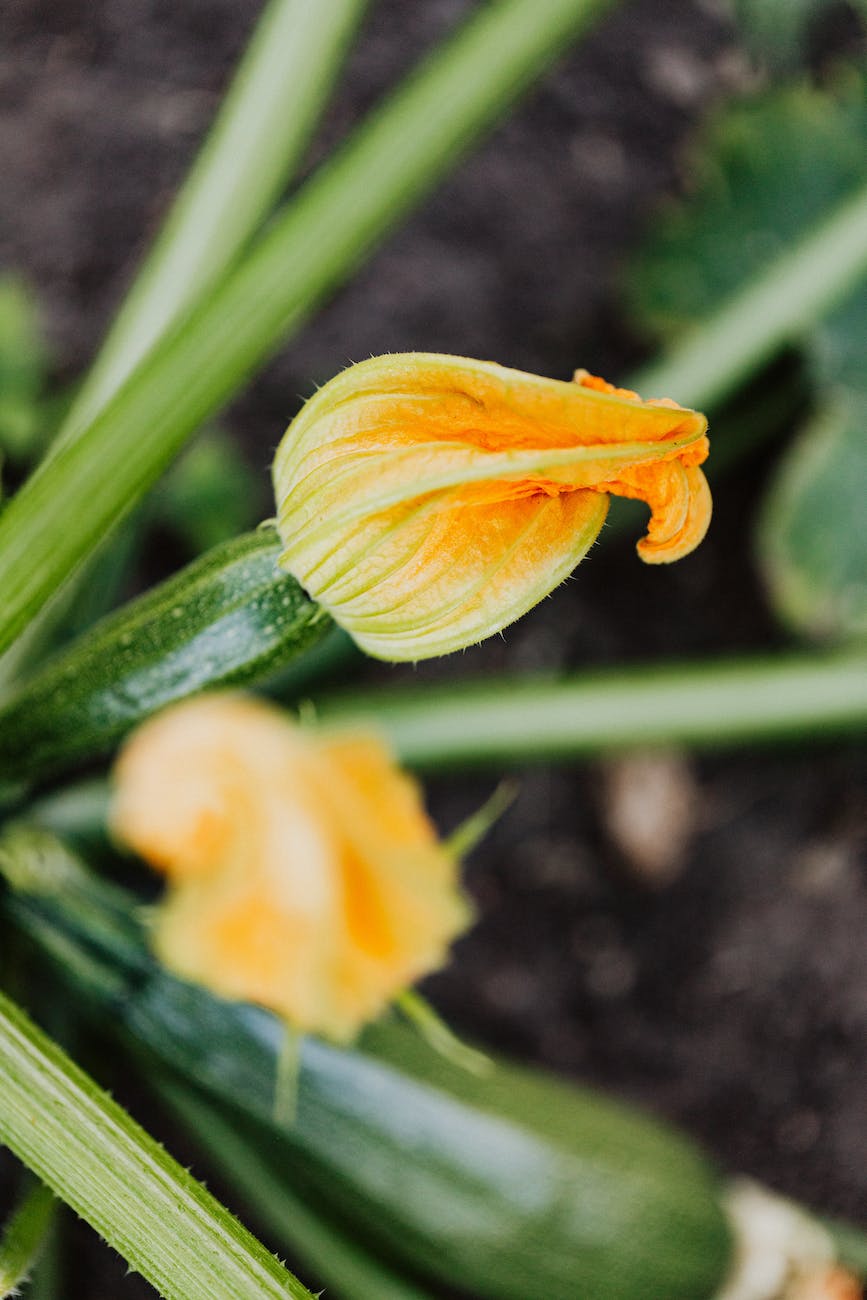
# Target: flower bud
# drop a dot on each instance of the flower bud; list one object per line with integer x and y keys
{"x": 428, "y": 501}
{"x": 303, "y": 872}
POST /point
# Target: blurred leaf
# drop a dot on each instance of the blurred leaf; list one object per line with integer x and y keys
{"x": 211, "y": 494}
{"x": 258, "y": 139}
{"x": 765, "y": 174}
{"x": 812, "y": 539}
{"x": 813, "y": 544}
{"x": 838, "y": 347}
{"x": 23, "y": 364}
{"x": 24, "y": 1236}
{"x": 776, "y": 31}
{"x": 773, "y": 171}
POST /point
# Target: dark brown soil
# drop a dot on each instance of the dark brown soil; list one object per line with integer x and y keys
{"x": 719, "y": 980}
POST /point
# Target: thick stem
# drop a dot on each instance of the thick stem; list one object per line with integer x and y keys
{"x": 95, "y": 1157}
{"x": 521, "y": 720}
{"x": 24, "y": 1237}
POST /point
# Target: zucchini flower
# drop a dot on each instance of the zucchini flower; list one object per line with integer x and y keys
{"x": 428, "y": 501}
{"x": 303, "y": 872}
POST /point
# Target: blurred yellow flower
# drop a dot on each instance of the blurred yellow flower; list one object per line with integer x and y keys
{"x": 303, "y": 872}
{"x": 831, "y": 1283}
{"x": 427, "y": 501}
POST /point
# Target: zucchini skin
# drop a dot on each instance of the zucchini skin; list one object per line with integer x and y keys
{"x": 228, "y": 619}
{"x": 511, "y": 1187}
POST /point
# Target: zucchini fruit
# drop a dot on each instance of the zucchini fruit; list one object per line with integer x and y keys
{"x": 509, "y": 1187}
{"x": 230, "y": 618}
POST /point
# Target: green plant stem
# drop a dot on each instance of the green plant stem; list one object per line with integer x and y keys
{"x": 95, "y": 1157}
{"x": 256, "y": 142}
{"x": 24, "y": 1237}
{"x": 48, "y": 1279}
{"x": 797, "y": 289}
{"x": 439, "y": 1036}
{"x": 522, "y": 720}
{"x": 386, "y": 167}
{"x": 851, "y": 1244}
{"x": 465, "y": 837}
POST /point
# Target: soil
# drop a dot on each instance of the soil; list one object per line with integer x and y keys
{"x": 711, "y": 969}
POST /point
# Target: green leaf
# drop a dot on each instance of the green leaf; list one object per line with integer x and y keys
{"x": 771, "y": 239}
{"x": 505, "y": 1187}
{"x": 777, "y": 30}
{"x": 767, "y": 175}
{"x": 837, "y": 348}
{"x": 24, "y": 1236}
{"x": 257, "y": 141}
{"x": 22, "y": 371}
{"x": 387, "y": 166}
{"x": 90, "y": 1152}
{"x": 850, "y": 1244}
{"x": 775, "y": 180}
{"x": 229, "y": 619}
{"x": 211, "y": 494}
{"x": 812, "y": 542}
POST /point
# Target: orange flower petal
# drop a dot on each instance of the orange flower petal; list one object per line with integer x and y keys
{"x": 428, "y": 501}
{"x": 304, "y": 874}
{"x": 831, "y": 1283}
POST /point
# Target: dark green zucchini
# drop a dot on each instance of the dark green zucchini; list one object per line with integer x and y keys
{"x": 509, "y": 1187}
{"x": 229, "y": 619}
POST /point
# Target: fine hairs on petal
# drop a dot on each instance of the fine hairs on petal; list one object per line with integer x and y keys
{"x": 428, "y": 501}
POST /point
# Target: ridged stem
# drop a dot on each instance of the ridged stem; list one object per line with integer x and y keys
{"x": 90, "y": 1152}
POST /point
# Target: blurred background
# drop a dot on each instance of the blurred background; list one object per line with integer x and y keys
{"x": 684, "y": 931}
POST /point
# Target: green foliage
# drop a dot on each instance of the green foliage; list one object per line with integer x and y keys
{"x": 211, "y": 494}
{"x": 777, "y": 30}
{"x": 505, "y": 1186}
{"x": 812, "y": 546}
{"x": 765, "y": 174}
{"x": 402, "y": 1173}
{"x": 22, "y": 372}
{"x": 24, "y": 1236}
{"x": 256, "y": 142}
{"x": 390, "y": 162}
{"x": 772, "y": 173}
{"x": 812, "y": 542}
{"x": 838, "y": 347}
{"x": 229, "y": 619}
